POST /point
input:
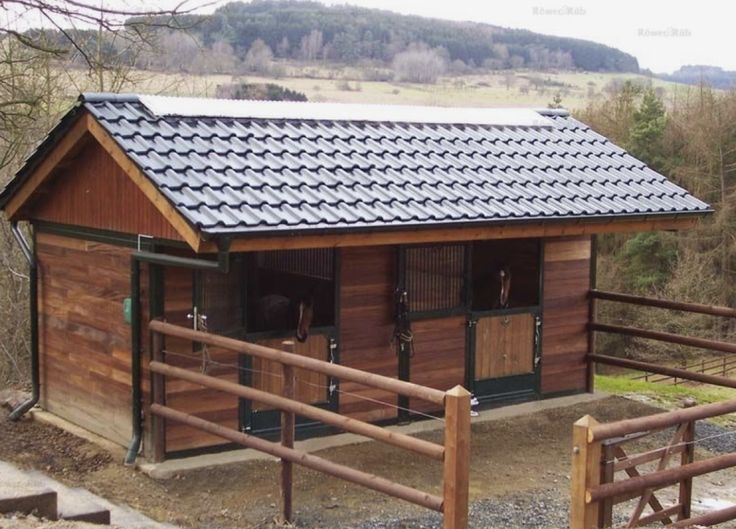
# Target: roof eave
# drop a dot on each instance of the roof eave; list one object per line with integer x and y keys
{"x": 591, "y": 219}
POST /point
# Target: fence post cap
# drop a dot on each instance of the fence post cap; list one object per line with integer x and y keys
{"x": 458, "y": 391}
{"x": 588, "y": 421}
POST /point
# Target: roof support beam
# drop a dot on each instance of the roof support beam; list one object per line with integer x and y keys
{"x": 449, "y": 234}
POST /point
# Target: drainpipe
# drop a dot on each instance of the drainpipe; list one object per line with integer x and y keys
{"x": 22, "y": 409}
{"x": 222, "y": 265}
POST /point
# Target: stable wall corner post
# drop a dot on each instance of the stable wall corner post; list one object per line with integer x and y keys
{"x": 586, "y": 474}
{"x": 456, "y": 474}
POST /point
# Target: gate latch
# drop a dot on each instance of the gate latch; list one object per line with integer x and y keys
{"x": 472, "y": 323}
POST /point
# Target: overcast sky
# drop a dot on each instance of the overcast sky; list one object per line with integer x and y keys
{"x": 663, "y": 35}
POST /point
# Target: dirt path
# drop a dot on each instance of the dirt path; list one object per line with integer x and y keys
{"x": 509, "y": 457}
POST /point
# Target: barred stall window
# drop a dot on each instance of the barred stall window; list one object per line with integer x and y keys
{"x": 435, "y": 277}
{"x": 313, "y": 262}
{"x": 289, "y": 277}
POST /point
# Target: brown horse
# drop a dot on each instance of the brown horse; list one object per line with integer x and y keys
{"x": 279, "y": 313}
{"x": 504, "y": 277}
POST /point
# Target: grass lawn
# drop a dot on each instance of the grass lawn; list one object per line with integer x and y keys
{"x": 665, "y": 395}
{"x": 524, "y": 88}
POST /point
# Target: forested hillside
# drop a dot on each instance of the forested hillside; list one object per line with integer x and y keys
{"x": 309, "y": 31}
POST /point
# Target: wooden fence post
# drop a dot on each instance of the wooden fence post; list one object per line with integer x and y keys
{"x": 158, "y": 396}
{"x": 457, "y": 459}
{"x": 605, "y": 510}
{"x": 287, "y": 436}
{"x": 687, "y": 457}
{"x": 586, "y": 473}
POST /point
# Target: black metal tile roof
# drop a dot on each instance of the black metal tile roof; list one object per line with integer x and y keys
{"x": 231, "y": 175}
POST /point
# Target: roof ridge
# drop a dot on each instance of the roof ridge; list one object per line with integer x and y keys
{"x": 102, "y": 97}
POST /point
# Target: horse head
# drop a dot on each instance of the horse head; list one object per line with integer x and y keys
{"x": 305, "y": 317}
{"x": 504, "y": 275}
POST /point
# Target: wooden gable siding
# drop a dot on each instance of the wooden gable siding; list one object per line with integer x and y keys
{"x": 84, "y": 342}
{"x": 565, "y": 334}
{"x": 208, "y": 404}
{"x": 93, "y": 191}
{"x": 366, "y": 325}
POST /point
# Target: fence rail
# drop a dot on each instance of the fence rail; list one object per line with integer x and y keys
{"x": 455, "y": 453}
{"x": 598, "y": 455}
{"x": 667, "y": 337}
{"x": 714, "y": 366}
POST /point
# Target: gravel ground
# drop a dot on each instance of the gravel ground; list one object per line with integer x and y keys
{"x": 546, "y": 510}
{"x": 714, "y": 437}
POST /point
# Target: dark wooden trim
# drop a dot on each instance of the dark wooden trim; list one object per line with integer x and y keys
{"x": 104, "y": 236}
{"x": 590, "y": 367}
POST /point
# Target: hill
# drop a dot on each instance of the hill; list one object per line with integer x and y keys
{"x": 346, "y": 34}
{"x": 714, "y": 76}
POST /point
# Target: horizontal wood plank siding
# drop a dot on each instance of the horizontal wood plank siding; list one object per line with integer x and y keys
{"x": 366, "y": 326}
{"x": 84, "y": 342}
{"x": 94, "y": 192}
{"x": 439, "y": 355}
{"x": 565, "y": 335}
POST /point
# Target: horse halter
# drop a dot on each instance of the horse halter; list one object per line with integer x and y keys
{"x": 402, "y": 331}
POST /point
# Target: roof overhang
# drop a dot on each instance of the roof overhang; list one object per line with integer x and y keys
{"x": 454, "y": 233}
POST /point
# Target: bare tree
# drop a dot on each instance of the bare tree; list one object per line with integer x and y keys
{"x": 420, "y": 64}
{"x": 259, "y": 57}
{"x": 311, "y": 45}
{"x": 36, "y": 68}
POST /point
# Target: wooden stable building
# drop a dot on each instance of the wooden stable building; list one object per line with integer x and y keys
{"x": 440, "y": 246}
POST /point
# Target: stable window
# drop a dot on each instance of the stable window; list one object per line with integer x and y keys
{"x": 280, "y": 282}
{"x": 434, "y": 277}
{"x": 505, "y": 274}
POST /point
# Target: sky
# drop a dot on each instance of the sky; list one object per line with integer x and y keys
{"x": 663, "y": 35}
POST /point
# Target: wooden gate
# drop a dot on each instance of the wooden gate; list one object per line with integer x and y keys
{"x": 603, "y": 451}
{"x": 504, "y": 359}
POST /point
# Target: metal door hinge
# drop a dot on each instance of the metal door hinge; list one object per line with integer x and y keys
{"x": 472, "y": 323}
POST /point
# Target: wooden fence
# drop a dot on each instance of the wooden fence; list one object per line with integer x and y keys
{"x": 703, "y": 375}
{"x": 455, "y": 453}
{"x": 722, "y": 366}
{"x": 599, "y": 456}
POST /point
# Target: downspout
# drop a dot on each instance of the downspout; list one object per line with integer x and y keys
{"x": 222, "y": 265}
{"x": 23, "y": 408}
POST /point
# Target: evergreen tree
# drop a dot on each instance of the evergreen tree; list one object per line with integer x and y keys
{"x": 647, "y": 131}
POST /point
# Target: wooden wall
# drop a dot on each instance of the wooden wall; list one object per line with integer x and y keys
{"x": 366, "y": 326}
{"x": 94, "y": 192}
{"x": 439, "y": 355}
{"x": 84, "y": 342}
{"x": 565, "y": 334}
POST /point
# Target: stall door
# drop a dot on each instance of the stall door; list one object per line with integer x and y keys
{"x": 505, "y": 358}
{"x": 311, "y": 387}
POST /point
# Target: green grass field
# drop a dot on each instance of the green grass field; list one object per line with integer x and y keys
{"x": 665, "y": 395}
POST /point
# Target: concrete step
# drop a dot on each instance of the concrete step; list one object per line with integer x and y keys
{"x": 90, "y": 514}
{"x": 40, "y": 502}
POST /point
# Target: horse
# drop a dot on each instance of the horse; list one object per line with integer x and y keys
{"x": 504, "y": 277}
{"x": 276, "y": 312}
